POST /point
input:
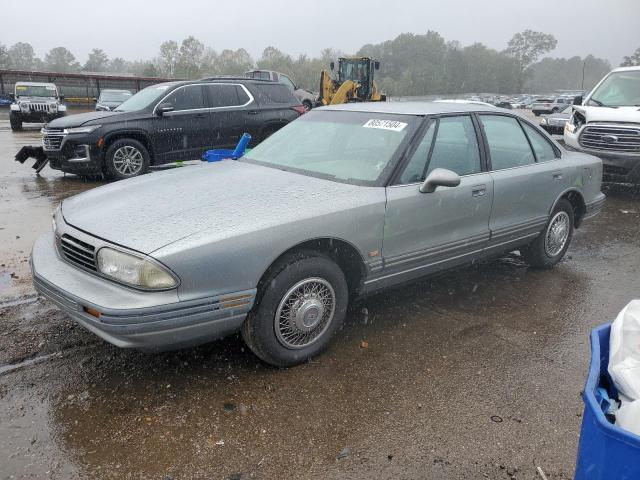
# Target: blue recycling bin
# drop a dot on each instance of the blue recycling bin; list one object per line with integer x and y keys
{"x": 222, "y": 154}
{"x": 605, "y": 451}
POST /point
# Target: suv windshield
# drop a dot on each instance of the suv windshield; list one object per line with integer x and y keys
{"x": 618, "y": 89}
{"x": 143, "y": 98}
{"x": 35, "y": 91}
{"x": 114, "y": 96}
{"x": 349, "y": 147}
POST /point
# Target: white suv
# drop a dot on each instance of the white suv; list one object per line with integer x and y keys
{"x": 35, "y": 102}
{"x": 607, "y": 125}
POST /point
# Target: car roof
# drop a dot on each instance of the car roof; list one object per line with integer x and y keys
{"x": 626, "y": 69}
{"x": 412, "y": 108}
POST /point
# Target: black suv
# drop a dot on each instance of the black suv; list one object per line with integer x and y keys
{"x": 168, "y": 122}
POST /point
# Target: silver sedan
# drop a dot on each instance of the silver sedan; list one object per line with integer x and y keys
{"x": 343, "y": 202}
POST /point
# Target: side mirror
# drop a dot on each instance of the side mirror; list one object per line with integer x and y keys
{"x": 163, "y": 108}
{"x": 577, "y": 100}
{"x": 440, "y": 177}
{"x": 332, "y": 65}
{"x": 61, "y": 97}
{"x": 376, "y": 65}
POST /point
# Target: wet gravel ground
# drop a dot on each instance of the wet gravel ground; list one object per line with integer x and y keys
{"x": 474, "y": 374}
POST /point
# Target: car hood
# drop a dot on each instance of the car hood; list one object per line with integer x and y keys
{"x": 222, "y": 199}
{"x": 607, "y": 114}
{"x": 79, "y": 119}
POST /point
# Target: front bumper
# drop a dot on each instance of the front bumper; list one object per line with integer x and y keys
{"x": 616, "y": 167}
{"x": 553, "y": 129}
{"x": 130, "y": 318}
{"x": 78, "y": 154}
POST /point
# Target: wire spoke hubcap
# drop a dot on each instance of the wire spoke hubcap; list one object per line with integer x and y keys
{"x": 557, "y": 234}
{"x": 305, "y": 312}
{"x": 128, "y": 160}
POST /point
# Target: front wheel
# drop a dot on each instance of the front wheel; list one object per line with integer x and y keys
{"x": 126, "y": 158}
{"x": 303, "y": 303}
{"x": 15, "y": 122}
{"x": 551, "y": 245}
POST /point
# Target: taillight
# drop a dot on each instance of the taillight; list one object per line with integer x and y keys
{"x": 299, "y": 108}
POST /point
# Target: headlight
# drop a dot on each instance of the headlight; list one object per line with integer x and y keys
{"x": 543, "y": 121}
{"x": 133, "y": 270}
{"x": 569, "y": 127}
{"x": 87, "y": 129}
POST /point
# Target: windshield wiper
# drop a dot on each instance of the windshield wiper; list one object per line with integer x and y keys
{"x": 600, "y": 104}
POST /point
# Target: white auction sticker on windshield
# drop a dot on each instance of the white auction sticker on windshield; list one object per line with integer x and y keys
{"x": 385, "y": 124}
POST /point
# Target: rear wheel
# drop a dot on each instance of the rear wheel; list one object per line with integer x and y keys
{"x": 303, "y": 304}
{"x": 551, "y": 245}
{"x": 126, "y": 158}
{"x": 15, "y": 121}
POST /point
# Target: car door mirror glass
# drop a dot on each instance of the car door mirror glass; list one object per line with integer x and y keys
{"x": 163, "y": 108}
{"x": 439, "y": 177}
{"x": 577, "y": 100}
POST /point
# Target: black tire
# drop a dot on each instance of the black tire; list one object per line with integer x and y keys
{"x": 555, "y": 110}
{"x": 307, "y": 105}
{"x": 537, "y": 114}
{"x": 537, "y": 253}
{"x": 15, "y": 121}
{"x": 261, "y": 330}
{"x": 113, "y": 165}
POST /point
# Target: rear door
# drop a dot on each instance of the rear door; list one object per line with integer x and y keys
{"x": 182, "y": 133}
{"x": 527, "y": 178}
{"x": 276, "y": 104}
{"x": 427, "y": 232}
{"x": 230, "y": 106}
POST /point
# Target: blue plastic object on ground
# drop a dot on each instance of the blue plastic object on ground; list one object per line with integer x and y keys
{"x": 605, "y": 451}
{"x": 222, "y": 154}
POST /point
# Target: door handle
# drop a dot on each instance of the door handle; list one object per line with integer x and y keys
{"x": 253, "y": 112}
{"x": 201, "y": 115}
{"x": 479, "y": 190}
{"x": 557, "y": 175}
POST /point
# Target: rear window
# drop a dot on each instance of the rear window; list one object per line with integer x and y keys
{"x": 274, "y": 93}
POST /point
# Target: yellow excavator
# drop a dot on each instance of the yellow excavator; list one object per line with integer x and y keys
{"x": 354, "y": 82}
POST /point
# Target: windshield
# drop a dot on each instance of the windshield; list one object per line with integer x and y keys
{"x": 36, "y": 91}
{"x": 349, "y": 147}
{"x": 114, "y": 96}
{"x": 356, "y": 70}
{"x": 143, "y": 98}
{"x": 617, "y": 90}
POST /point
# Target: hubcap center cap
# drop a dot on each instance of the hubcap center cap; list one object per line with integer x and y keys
{"x": 309, "y": 314}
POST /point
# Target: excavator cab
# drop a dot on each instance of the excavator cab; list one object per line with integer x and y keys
{"x": 360, "y": 71}
{"x": 353, "y": 82}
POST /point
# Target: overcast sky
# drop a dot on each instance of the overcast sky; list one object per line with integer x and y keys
{"x": 135, "y": 29}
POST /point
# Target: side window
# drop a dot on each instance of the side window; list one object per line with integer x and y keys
{"x": 414, "y": 171}
{"x": 222, "y": 95}
{"x": 456, "y": 146}
{"x": 286, "y": 81}
{"x": 242, "y": 95}
{"x": 186, "y": 98}
{"x": 542, "y": 148}
{"x": 508, "y": 145}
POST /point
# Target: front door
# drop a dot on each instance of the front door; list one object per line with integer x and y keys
{"x": 427, "y": 232}
{"x": 182, "y": 133}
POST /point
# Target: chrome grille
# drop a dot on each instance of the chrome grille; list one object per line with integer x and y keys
{"x": 611, "y": 138}
{"x": 52, "y": 139}
{"x": 78, "y": 252}
{"x": 39, "y": 107}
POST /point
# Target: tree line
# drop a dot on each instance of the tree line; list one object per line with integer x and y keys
{"x": 411, "y": 64}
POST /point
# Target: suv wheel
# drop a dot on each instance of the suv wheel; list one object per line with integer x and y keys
{"x": 15, "y": 121}
{"x": 126, "y": 158}
{"x": 303, "y": 305}
{"x": 551, "y": 245}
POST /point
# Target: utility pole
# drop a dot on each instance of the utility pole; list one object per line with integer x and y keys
{"x": 583, "y": 65}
